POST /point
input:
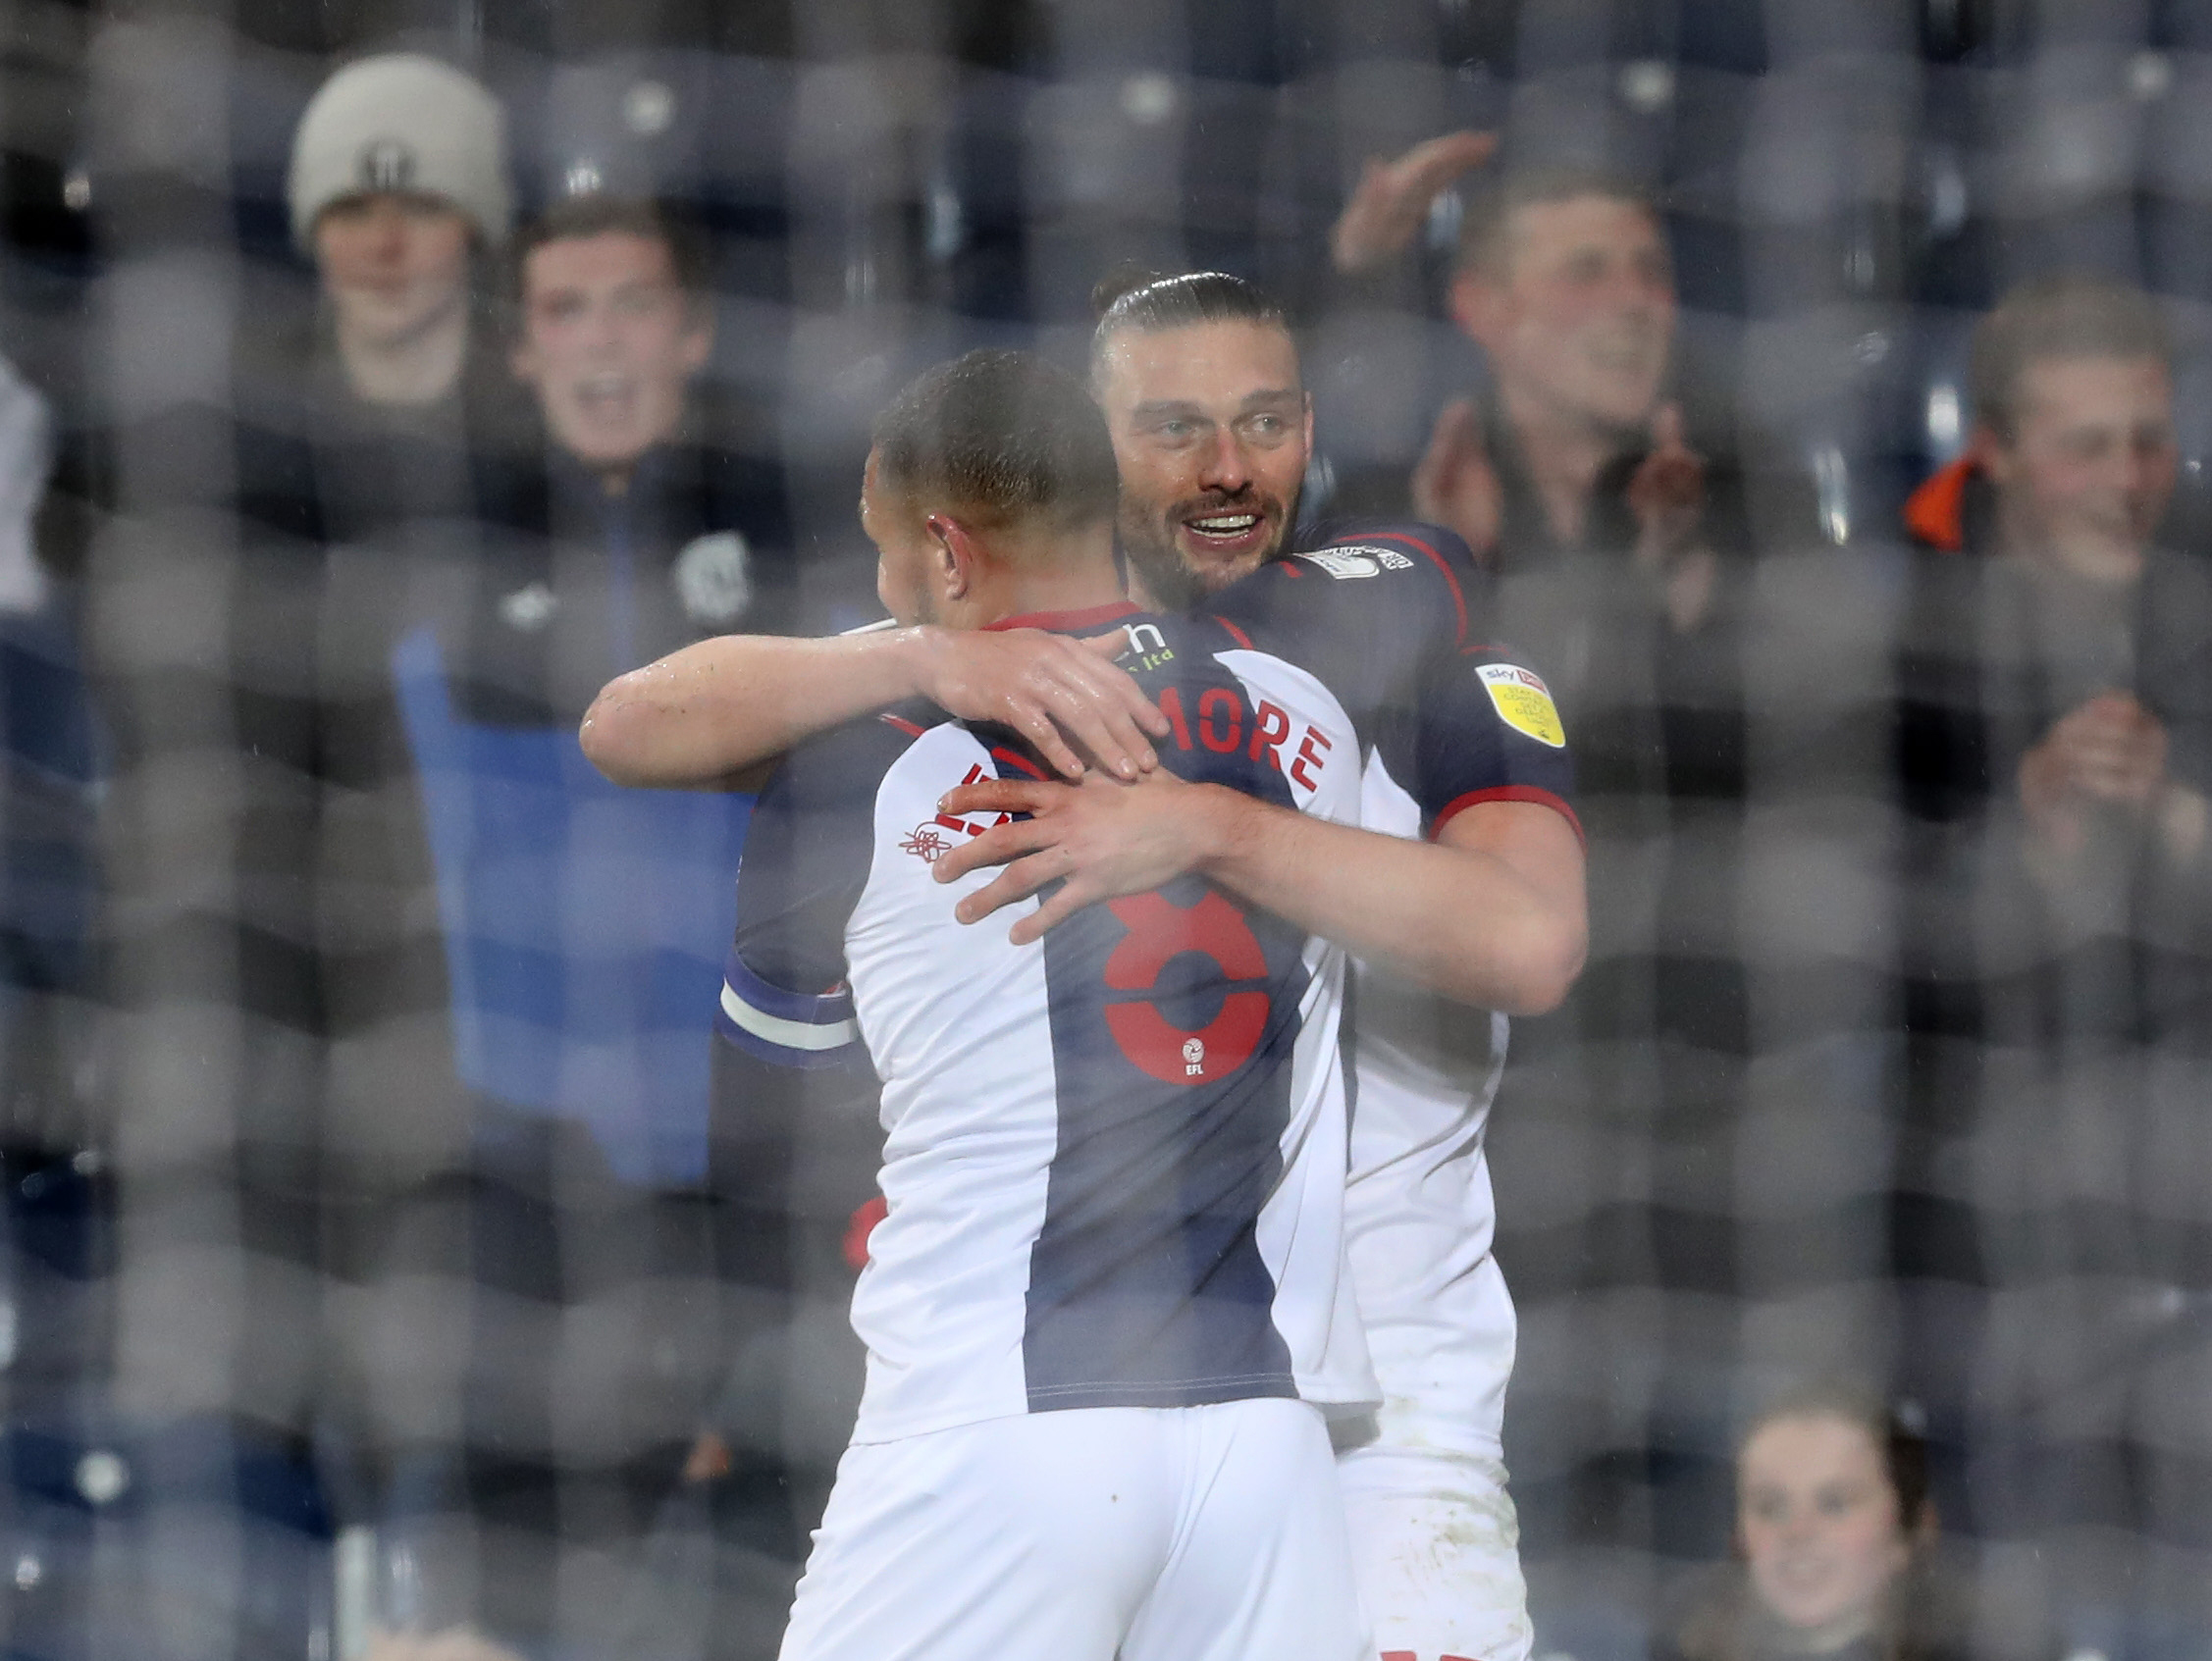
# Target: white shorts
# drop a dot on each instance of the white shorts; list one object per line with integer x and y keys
{"x": 1194, "y": 1534}
{"x": 1437, "y": 1551}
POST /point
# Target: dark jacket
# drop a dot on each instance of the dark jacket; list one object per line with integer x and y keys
{"x": 1993, "y": 652}
{"x": 1716, "y": 1616}
{"x": 595, "y": 1013}
{"x": 1655, "y": 712}
{"x": 252, "y": 962}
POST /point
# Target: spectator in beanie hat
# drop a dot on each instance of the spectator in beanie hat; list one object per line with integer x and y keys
{"x": 397, "y": 185}
{"x": 341, "y": 500}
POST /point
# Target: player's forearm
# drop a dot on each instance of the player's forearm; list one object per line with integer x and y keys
{"x": 731, "y": 703}
{"x": 1459, "y": 920}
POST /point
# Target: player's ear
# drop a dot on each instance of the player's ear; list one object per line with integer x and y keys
{"x": 953, "y": 558}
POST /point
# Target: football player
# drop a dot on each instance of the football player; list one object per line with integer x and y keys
{"x": 1199, "y": 377}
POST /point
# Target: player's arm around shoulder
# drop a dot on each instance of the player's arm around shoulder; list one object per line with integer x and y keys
{"x": 716, "y": 714}
{"x": 1491, "y": 913}
{"x": 786, "y": 998}
{"x": 1539, "y": 940}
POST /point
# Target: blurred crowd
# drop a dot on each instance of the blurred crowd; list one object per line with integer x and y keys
{"x": 1825, "y": 389}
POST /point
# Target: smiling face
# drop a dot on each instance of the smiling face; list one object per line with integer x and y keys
{"x": 1820, "y": 1527}
{"x": 1211, "y": 428}
{"x": 1576, "y": 311}
{"x": 2092, "y": 463}
{"x": 394, "y": 264}
{"x": 610, "y": 341}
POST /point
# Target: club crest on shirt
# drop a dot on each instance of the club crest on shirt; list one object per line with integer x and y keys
{"x": 925, "y": 843}
{"x": 1345, "y": 563}
{"x": 929, "y": 841}
{"x": 1523, "y": 702}
{"x": 714, "y": 580}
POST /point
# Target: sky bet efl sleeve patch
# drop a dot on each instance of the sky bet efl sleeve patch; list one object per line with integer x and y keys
{"x": 1523, "y": 702}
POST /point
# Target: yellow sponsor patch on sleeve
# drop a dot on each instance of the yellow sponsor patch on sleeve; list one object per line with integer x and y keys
{"x": 1523, "y": 702}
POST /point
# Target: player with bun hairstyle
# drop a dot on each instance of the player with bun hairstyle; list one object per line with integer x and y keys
{"x": 1107, "y": 1295}
{"x": 1199, "y": 380}
{"x": 1187, "y": 542}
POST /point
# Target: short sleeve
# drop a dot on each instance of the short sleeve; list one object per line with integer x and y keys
{"x": 1484, "y": 729}
{"x": 806, "y": 861}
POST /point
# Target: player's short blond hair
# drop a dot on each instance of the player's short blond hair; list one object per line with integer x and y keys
{"x": 1003, "y": 438}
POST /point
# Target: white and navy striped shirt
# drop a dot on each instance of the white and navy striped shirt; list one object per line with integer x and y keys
{"x": 1116, "y": 1160}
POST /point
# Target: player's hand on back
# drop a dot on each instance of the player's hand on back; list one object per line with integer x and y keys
{"x": 1106, "y": 839}
{"x": 1065, "y": 696}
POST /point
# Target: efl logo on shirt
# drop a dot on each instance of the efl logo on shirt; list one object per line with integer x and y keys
{"x": 1345, "y": 563}
{"x": 1523, "y": 702}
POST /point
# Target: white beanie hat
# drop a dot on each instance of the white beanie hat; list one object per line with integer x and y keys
{"x": 402, "y": 121}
